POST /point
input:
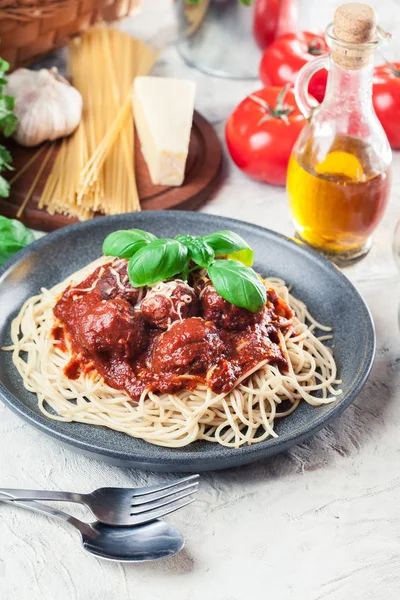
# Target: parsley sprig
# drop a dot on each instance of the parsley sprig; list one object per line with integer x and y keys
{"x": 8, "y": 123}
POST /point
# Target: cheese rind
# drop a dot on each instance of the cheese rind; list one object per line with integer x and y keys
{"x": 163, "y": 112}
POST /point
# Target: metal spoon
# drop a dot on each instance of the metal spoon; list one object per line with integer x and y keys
{"x": 150, "y": 541}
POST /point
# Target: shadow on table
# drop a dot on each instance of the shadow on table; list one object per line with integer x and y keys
{"x": 362, "y": 421}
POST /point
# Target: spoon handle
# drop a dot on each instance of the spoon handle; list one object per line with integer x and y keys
{"x": 49, "y": 511}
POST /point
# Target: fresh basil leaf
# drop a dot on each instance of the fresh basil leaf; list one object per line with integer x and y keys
{"x": 201, "y": 253}
{"x": 238, "y": 284}
{"x": 13, "y": 237}
{"x": 229, "y": 243}
{"x": 245, "y": 256}
{"x": 126, "y": 242}
{"x": 157, "y": 261}
{"x": 184, "y": 238}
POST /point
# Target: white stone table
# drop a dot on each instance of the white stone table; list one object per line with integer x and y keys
{"x": 320, "y": 522}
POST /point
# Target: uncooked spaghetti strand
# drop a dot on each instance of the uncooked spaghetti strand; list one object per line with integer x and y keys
{"x": 34, "y": 183}
{"x": 96, "y": 161}
{"x": 98, "y": 157}
{"x": 28, "y": 164}
{"x": 94, "y": 170}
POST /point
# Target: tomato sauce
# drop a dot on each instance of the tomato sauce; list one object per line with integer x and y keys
{"x": 204, "y": 340}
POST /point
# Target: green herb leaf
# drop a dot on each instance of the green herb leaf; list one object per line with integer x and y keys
{"x": 245, "y": 256}
{"x": 184, "y": 238}
{"x": 8, "y": 123}
{"x": 5, "y": 157}
{"x": 228, "y": 243}
{"x": 126, "y": 242}
{"x": 13, "y": 236}
{"x": 4, "y": 188}
{"x": 238, "y": 284}
{"x": 157, "y": 261}
{"x": 201, "y": 253}
{"x": 4, "y": 65}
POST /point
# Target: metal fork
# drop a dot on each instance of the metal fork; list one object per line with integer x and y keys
{"x": 124, "y": 506}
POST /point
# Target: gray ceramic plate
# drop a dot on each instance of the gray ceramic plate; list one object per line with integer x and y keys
{"x": 330, "y": 296}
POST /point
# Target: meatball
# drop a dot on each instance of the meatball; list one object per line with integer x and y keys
{"x": 169, "y": 302}
{"x": 252, "y": 346}
{"x": 224, "y": 314}
{"x": 112, "y": 327}
{"x": 189, "y": 346}
{"x": 114, "y": 283}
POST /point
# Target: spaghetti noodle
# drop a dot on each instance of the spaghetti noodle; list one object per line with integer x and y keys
{"x": 244, "y": 414}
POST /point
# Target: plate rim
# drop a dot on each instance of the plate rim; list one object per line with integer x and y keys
{"x": 179, "y": 462}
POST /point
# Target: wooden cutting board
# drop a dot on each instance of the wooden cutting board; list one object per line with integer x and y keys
{"x": 201, "y": 177}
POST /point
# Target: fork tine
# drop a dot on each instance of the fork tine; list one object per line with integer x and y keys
{"x": 160, "y": 512}
{"x": 164, "y": 493}
{"x": 161, "y": 502}
{"x": 163, "y": 486}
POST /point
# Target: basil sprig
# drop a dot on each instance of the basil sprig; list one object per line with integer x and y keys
{"x": 152, "y": 260}
{"x": 13, "y": 237}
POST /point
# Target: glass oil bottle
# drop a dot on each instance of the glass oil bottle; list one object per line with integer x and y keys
{"x": 339, "y": 173}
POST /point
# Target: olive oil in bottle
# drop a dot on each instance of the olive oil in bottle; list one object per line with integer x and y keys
{"x": 336, "y": 204}
{"x": 339, "y": 175}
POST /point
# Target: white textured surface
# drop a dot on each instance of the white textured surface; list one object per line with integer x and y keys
{"x": 321, "y": 522}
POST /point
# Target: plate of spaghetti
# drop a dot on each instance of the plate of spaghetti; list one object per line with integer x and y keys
{"x": 179, "y": 341}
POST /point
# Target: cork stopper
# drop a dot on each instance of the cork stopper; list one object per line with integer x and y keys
{"x": 354, "y": 24}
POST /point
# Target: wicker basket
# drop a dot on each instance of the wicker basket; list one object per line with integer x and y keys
{"x": 30, "y": 29}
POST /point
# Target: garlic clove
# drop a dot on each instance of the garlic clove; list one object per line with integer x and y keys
{"x": 46, "y": 104}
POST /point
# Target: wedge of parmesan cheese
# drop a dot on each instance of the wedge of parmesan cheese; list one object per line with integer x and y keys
{"x": 163, "y": 112}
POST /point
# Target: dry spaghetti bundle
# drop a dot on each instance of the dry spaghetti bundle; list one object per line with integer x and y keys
{"x": 94, "y": 169}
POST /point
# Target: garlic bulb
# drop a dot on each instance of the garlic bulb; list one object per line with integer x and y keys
{"x": 46, "y": 104}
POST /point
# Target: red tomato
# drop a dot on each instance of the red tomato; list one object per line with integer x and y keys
{"x": 386, "y": 99}
{"x": 261, "y": 131}
{"x": 273, "y": 18}
{"x": 283, "y": 59}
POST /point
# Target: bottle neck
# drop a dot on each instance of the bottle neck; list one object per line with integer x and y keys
{"x": 348, "y": 88}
